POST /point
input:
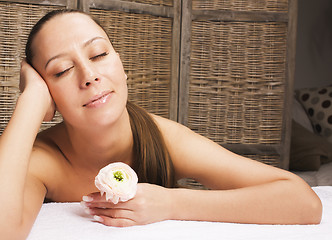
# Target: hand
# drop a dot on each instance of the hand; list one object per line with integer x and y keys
{"x": 150, "y": 204}
{"x": 30, "y": 79}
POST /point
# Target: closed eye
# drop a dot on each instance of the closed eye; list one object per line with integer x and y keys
{"x": 99, "y": 56}
{"x": 63, "y": 72}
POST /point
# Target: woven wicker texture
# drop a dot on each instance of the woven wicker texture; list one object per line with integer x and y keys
{"x": 144, "y": 44}
{"x": 237, "y": 81}
{"x": 168, "y": 3}
{"x": 16, "y": 21}
{"x": 242, "y": 5}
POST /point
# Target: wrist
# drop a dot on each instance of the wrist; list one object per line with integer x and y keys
{"x": 178, "y": 205}
{"x": 35, "y": 100}
{"x": 31, "y": 104}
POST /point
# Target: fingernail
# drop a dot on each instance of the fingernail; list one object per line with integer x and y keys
{"x": 98, "y": 219}
{"x": 87, "y": 199}
{"x": 83, "y": 204}
{"x": 88, "y": 211}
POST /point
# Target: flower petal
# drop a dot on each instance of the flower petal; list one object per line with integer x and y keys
{"x": 118, "y": 181}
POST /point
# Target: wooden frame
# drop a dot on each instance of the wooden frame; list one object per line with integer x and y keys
{"x": 189, "y": 15}
{"x": 72, "y": 4}
{"x": 290, "y": 74}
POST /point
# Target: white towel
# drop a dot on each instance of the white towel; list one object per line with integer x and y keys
{"x": 62, "y": 221}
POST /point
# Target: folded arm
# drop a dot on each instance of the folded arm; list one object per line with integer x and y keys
{"x": 21, "y": 193}
{"x": 243, "y": 190}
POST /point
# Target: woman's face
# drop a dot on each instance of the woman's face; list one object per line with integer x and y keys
{"x": 84, "y": 74}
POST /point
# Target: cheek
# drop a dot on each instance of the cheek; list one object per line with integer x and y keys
{"x": 116, "y": 75}
{"x": 113, "y": 67}
{"x": 61, "y": 96}
{"x": 121, "y": 84}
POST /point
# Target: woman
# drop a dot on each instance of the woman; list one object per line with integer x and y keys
{"x": 72, "y": 67}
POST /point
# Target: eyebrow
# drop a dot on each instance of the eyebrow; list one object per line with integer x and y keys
{"x": 85, "y": 44}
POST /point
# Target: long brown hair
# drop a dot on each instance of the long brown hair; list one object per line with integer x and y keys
{"x": 152, "y": 161}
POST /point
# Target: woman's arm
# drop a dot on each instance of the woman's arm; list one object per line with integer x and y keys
{"x": 245, "y": 191}
{"x": 21, "y": 193}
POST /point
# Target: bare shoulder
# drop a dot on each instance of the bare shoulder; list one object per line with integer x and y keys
{"x": 171, "y": 130}
{"x": 46, "y": 141}
{"x": 186, "y": 148}
{"x": 177, "y": 134}
{"x": 198, "y": 157}
{"x": 45, "y": 161}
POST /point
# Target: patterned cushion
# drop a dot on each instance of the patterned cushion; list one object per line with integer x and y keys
{"x": 300, "y": 115}
{"x": 318, "y": 104}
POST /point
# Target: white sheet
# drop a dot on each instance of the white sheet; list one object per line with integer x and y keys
{"x": 68, "y": 221}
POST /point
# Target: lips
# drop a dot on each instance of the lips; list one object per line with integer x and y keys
{"x": 98, "y": 99}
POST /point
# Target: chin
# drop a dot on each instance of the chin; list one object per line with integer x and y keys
{"x": 109, "y": 117}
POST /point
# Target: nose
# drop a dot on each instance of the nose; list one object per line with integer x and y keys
{"x": 89, "y": 82}
{"x": 88, "y": 75}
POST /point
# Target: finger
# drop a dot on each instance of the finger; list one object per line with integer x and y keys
{"x": 114, "y": 222}
{"x": 106, "y": 204}
{"x": 95, "y": 198}
{"x": 112, "y": 212}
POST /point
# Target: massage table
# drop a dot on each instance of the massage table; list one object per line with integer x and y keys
{"x": 61, "y": 221}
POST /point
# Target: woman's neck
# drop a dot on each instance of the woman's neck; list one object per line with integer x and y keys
{"x": 94, "y": 148}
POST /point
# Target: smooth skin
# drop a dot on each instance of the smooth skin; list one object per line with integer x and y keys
{"x": 76, "y": 62}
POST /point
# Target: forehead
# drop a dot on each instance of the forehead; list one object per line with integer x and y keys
{"x": 65, "y": 31}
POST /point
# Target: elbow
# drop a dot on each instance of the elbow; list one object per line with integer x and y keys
{"x": 311, "y": 209}
{"x": 307, "y": 208}
{"x": 314, "y": 211}
{"x": 12, "y": 233}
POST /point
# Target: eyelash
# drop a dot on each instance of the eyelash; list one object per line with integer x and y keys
{"x": 63, "y": 72}
{"x": 100, "y": 55}
{"x": 93, "y": 58}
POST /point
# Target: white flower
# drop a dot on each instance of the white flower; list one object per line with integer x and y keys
{"x": 118, "y": 181}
